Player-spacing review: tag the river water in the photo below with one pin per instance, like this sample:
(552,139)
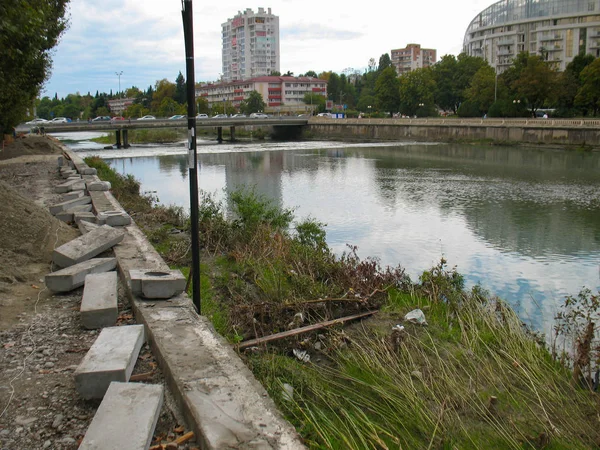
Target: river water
(524,223)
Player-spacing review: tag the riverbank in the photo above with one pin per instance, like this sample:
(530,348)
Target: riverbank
(473,377)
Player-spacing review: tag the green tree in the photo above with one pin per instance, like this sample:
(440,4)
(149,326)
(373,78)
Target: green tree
(588,97)
(384,62)
(168,107)
(136,110)
(180,89)
(536,83)
(254,103)
(481,91)
(316,101)
(289,73)
(417,93)
(334,87)
(448,94)
(202,106)
(29,29)
(570,84)
(133,92)
(275,73)
(163,89)
(387,91)
(311,73)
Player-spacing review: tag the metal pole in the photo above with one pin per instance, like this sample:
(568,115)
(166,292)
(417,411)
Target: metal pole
(188,33)
(119,75)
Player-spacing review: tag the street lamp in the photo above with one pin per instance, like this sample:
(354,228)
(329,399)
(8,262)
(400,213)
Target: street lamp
(516,103)
(224,105)
(369,108)
(119,75)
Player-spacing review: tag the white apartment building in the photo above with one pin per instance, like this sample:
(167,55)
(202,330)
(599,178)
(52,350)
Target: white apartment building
(280,94)
(557,30)
(250,45)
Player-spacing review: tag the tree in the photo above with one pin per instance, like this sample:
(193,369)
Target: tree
(289,73)
(275,73)
(536,83)
(384,62)
(163,89)
(28,32)
(481,91)
(570,84)
(180,89)
(202,106)
(387,90)
(135,110)
(333,86)
(447,94)
(254,103)
(416,92)
(317,101)
(311,73)
(588,96)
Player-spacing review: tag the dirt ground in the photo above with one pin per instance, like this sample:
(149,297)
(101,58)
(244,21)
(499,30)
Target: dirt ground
(41,337)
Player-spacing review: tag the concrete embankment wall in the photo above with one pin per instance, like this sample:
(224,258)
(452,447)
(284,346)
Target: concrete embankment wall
(501,131)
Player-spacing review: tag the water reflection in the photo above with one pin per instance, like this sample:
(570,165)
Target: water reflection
(525,223)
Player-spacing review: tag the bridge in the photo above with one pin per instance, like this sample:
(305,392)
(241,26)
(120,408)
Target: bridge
(122,127)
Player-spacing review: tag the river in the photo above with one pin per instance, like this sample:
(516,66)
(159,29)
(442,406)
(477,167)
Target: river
(524,223)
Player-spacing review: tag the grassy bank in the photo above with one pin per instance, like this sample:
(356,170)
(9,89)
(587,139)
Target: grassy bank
(472,377)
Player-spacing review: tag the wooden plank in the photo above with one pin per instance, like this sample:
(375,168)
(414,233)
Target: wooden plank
(296,331)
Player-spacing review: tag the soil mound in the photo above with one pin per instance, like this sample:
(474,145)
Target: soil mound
(30,145)
(28,235)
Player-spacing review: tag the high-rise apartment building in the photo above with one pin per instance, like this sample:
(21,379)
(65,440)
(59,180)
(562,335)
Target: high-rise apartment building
(250,45)
(412,57)
(556,30)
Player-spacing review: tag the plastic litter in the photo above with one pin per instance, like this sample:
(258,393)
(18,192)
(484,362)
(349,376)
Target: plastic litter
(416,316)
(287,392)
(302,355)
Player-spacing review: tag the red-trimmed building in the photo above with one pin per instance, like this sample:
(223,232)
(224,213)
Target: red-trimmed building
(280,94)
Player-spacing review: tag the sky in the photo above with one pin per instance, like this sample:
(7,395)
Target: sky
(144,39)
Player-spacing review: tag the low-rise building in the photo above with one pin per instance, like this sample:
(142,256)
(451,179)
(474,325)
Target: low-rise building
(118,105)
(280,94)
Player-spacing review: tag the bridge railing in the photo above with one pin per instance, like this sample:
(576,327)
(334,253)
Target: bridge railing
(550,123)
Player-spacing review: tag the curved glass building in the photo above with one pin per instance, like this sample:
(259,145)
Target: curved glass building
(557,30)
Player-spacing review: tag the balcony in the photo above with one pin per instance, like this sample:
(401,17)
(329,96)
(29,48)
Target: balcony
(550,37)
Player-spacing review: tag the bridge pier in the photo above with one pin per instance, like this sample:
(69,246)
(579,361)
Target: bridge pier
(219,134)
(118,133)
(126,139)
(232,132)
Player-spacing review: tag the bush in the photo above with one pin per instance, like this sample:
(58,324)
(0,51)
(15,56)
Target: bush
(469,109)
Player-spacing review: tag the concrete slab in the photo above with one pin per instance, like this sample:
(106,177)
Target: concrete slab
(85,216)
(72,277)
(72,195)
(69,204)
(68,186)
(60,161)
(98,186)
(111,358)
(157,284)
(85,226)
(114,218)
(88,171)
(126,418)
(87,246)
(69,173)
(99,302)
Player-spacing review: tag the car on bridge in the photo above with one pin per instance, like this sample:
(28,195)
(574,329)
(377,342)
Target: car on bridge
(60,120)
(220,116)
(36,121)
(202,116)
(147,117)
(101,119)
(117,119)
(238,116)
(258,116)
(177,117)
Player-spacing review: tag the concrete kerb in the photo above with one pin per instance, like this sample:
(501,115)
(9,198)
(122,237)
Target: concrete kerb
(220,398)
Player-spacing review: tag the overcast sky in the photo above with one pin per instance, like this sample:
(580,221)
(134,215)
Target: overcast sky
(144,38)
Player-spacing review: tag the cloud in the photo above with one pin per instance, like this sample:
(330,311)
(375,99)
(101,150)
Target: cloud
(317,32)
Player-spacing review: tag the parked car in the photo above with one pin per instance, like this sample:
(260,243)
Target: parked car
(117,119)
(258,116)
(60,120)
(238,116)
(177,117)
(147,117)
(36,121)
(202,116)
(324,115)
(220,116)
(101,119)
